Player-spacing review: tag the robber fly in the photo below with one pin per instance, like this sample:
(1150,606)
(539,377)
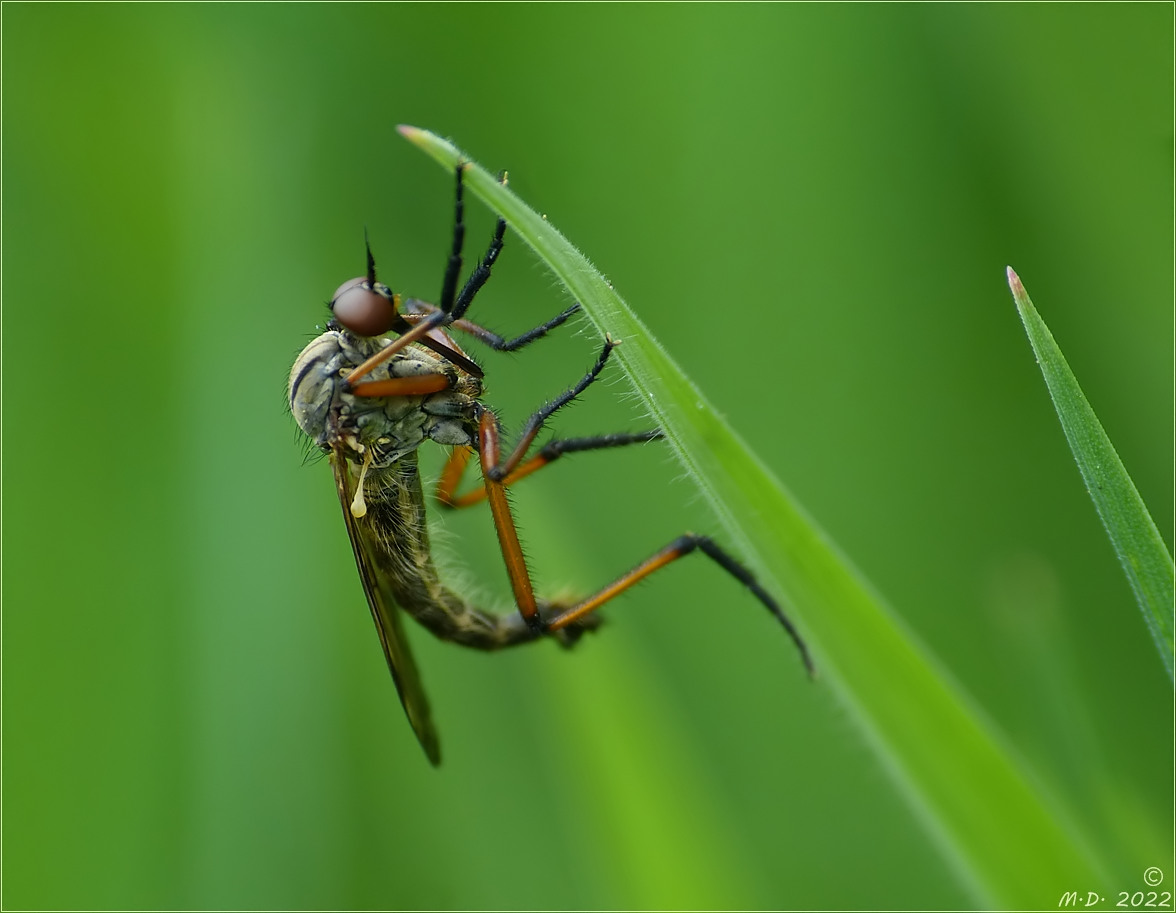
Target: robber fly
(385,377)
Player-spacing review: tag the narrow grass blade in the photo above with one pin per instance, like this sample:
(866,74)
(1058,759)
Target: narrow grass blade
(997,831)
(1133,533)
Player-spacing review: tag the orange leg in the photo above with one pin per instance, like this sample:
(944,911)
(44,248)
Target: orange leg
(420,385)
(508,537)
(679,548)
(453,304)
(455,466)
(416,334)
(489,452)
(450,478)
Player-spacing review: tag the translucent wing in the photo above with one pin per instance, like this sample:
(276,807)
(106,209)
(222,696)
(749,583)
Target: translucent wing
(387,615)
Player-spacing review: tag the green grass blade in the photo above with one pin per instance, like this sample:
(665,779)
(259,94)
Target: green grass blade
(998,832)
(1133,533)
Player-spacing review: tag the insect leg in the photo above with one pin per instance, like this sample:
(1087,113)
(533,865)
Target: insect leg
(496,342)
(504,525)
(453,303)
(450,479)
(489,337)
(482,271)
(679,548)
(401,326)
(480,274)
(520,578)
(416,334)
(454,467)
(419,385)
(453,267)
(498,471)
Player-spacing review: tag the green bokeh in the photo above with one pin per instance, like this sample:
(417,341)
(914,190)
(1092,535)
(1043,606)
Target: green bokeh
(811,206)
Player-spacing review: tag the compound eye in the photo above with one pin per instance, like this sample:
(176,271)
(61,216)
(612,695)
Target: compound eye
(362,309)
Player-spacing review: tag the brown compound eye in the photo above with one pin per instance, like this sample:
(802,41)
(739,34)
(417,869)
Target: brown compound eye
(364,307)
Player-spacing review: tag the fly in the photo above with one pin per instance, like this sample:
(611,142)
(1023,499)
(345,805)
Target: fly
(385,377)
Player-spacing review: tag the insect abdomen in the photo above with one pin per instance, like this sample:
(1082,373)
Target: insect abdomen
(396,520)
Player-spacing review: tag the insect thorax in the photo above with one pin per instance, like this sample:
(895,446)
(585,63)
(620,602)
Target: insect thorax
(391,426)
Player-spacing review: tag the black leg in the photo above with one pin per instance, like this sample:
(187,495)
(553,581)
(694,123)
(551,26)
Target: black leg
(679,548)
(451,474)
(489,337)
(554,449)
(453,267)
(480,274)
(452,303)
(501,470)
(496,342)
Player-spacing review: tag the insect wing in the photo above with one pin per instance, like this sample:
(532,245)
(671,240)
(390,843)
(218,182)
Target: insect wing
(387,615)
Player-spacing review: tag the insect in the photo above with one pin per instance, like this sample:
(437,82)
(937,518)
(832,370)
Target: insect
(385,377)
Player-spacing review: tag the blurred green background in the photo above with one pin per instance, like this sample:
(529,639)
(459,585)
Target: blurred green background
(812,207)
